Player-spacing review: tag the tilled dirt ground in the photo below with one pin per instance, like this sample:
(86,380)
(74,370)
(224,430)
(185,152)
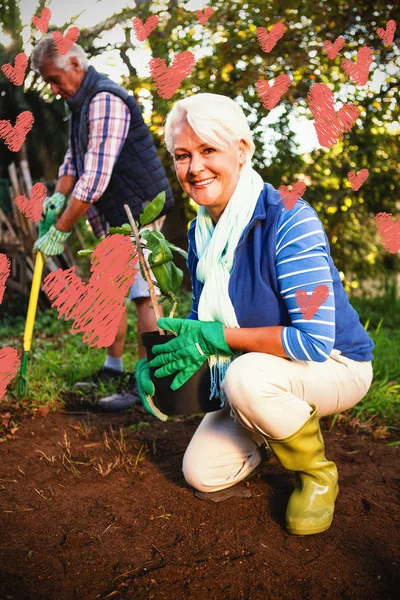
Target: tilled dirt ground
(93,506)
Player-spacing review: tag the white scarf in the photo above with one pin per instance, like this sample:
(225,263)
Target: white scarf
(216,247)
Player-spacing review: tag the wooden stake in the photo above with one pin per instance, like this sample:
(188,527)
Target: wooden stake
(144,265)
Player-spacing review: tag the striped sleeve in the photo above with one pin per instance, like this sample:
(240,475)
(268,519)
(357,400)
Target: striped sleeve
(302,264)
(67,168)
(97,222)
(109,120)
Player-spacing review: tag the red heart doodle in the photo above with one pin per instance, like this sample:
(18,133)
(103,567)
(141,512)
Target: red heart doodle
(389,231)
(309,305)
(4,273)
(16,74)
(9,360)
(387,34)
(97,306)
(32,208)
(42,22)
(271,94)
(289,198)
(15,136)
(168,79)
(64,42)
(333,50)
(9,365)
(329,123)
(358,71)
(143,30)
(268,40)
(356,181)
(204,15)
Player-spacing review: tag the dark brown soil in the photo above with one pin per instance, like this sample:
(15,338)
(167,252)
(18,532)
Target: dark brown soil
(69,532)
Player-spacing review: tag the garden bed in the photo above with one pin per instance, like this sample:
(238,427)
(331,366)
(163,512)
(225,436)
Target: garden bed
(94,506)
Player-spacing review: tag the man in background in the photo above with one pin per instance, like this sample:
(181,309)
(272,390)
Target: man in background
(111,161)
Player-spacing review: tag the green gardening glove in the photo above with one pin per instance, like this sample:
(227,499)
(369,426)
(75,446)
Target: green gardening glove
(146,389)
(56,202)
(195,342)
(52,242)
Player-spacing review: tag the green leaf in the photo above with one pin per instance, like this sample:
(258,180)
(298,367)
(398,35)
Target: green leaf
(178,250)
(169,278)
(125,229)
(153,209)
(396,443)
(158,246)
(176,276)
(163,278)
(86,252)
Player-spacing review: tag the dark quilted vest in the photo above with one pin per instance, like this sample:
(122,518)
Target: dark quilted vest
(138,175)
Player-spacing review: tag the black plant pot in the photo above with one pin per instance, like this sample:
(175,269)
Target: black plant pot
(192,397)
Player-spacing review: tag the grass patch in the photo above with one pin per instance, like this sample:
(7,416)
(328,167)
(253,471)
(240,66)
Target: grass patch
(139,426)
(383,398)
(59,358)
(380,310)
(381,317)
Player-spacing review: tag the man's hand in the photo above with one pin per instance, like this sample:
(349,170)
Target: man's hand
(56,202)
(52,242)
(195,342)
(146,389)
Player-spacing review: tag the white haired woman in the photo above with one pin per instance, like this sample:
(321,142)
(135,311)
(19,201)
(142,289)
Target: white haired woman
(277,372)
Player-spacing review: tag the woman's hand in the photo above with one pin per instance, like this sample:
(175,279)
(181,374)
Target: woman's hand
(146,389)
(195,342)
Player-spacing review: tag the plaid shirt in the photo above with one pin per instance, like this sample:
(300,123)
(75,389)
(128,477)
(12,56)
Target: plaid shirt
(109,120)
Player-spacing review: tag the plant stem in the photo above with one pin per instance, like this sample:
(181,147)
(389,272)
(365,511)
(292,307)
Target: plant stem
(175,305)
(144,266)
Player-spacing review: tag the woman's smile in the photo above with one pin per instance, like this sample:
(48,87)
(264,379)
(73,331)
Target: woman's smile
(203,183)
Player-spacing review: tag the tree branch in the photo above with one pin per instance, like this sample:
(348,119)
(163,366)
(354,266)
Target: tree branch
(123,50)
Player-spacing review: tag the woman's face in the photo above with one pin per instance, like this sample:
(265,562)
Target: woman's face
(207,174)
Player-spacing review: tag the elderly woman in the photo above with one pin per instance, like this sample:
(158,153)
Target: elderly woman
(277,371)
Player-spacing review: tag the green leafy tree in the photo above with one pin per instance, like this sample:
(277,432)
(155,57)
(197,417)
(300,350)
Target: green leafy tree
(48,138)
(229,60)
(235,62)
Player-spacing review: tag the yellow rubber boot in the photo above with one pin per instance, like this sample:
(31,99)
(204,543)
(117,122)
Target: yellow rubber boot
(311,505)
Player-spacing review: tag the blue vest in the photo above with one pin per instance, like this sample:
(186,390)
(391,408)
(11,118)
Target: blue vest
(253,286)
(138,175)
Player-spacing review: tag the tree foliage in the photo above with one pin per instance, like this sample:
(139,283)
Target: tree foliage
(48,139)
(229,60)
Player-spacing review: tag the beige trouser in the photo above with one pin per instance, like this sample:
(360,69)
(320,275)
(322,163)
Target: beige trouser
(267,396)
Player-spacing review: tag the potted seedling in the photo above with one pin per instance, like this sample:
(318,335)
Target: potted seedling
(193,396)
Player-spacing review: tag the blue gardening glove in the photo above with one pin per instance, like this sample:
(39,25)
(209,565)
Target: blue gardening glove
(52,242)
(195,342)
(146,389)
(56,202)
